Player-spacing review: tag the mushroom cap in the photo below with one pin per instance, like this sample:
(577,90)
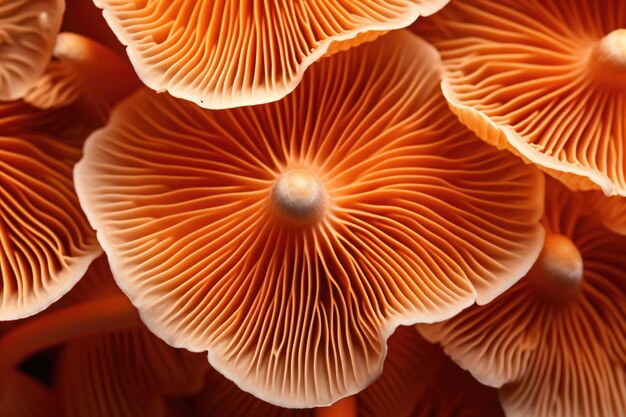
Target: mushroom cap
(421,219)
(546,80)
(27,32)
(47,243)
(222,54)
(76,76)
(553,354)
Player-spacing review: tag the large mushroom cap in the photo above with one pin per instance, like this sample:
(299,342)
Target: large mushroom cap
(47,243)
(289,239)
(220,53)
(544,79)
(27,32)
(555,343)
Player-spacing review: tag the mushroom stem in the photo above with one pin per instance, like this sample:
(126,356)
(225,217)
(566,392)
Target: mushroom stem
(558,272)
(298,196)
(608,59)
(346,407)
(50,329)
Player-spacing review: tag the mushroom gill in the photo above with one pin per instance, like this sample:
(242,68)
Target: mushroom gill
(545,79)
(27,32)
(46,241)
(289,239)
(77,79)
(221,54)
(409,372)
(554,343)
(417,381)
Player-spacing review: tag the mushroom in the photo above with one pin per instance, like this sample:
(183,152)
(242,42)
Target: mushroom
(546,80)
(289,239)
(554,343)
(108,365)
(27,32)
(221,54)
(47,243)
(76,77)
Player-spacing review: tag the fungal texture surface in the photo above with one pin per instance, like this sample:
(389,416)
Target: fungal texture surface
(46,243)
(28,29)
(225,53)
(545,79)
(555,343)
(290,239)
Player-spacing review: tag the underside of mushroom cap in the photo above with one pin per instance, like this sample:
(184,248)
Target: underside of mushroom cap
(409,370)
(414,218)
(28,29)
(47,243)
(545,79)
(553,353)
(223,54)
(77,76)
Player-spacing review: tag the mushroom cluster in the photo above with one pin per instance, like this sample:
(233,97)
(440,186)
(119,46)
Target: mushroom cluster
(302,209)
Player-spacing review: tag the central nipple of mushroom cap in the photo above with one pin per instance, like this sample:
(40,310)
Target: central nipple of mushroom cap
(559,268)
(608,59)
(298,196)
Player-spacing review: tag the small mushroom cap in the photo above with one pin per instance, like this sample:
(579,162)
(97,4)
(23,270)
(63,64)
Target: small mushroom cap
(221,54)
(28,29)
(78,77)
(553,354)
(546,81)
(421,220)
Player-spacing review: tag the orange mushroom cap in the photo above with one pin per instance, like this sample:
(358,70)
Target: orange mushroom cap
(290,239)
(546,80)
(84,74)
(47,243)
(555,342)
(220,54)
(27,32)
